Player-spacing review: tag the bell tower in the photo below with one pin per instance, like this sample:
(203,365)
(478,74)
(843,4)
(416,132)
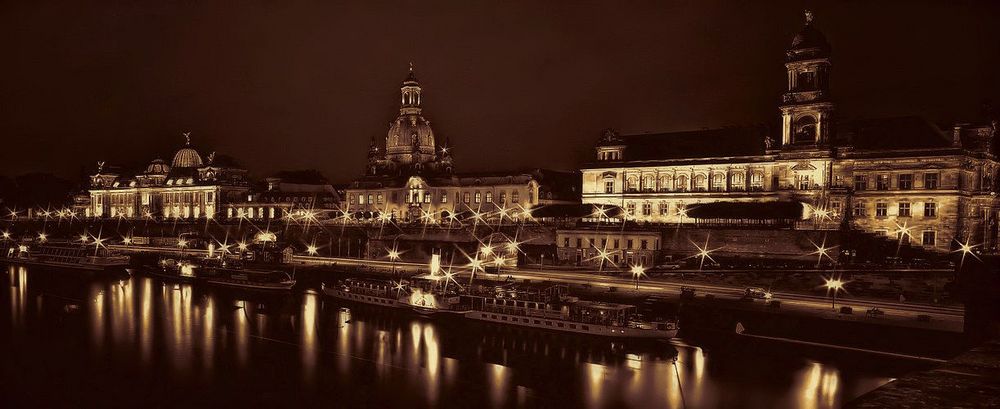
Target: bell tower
(806,108)
(410,93)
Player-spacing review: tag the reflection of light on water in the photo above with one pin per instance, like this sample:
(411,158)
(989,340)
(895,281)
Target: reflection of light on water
(343,343)
(308,335)
(122,312)
(146,322)
(634,361)
(97,316)
(208,334)
(819,387)
(242,335)
(433,360)
(595,384)
(18,294)
(499,384)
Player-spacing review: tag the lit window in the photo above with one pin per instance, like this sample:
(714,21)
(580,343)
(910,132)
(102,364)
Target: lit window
(371,198)
(882,182)
(515,197)
(489,197)
(465,197)
(427,197)
(380,198)
(479,197)
(444,197)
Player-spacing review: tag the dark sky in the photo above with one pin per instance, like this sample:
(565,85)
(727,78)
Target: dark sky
(289,85)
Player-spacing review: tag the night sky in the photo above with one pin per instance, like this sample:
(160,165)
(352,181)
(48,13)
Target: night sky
(513,84)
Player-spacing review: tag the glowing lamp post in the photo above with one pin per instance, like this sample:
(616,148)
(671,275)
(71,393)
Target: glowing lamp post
(312,250)
(835,285)
(637,272)
(393,257)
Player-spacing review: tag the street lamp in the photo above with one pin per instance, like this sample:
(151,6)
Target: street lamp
(834,284)
(312,250)
(637,272)
(393,257)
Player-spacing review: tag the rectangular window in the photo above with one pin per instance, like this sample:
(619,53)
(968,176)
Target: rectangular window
(643,244)
(444,197)
(617,243)
(590,242)
(859,208)
(630,209)
(882,182)
(351,197)
(371,198)
(407,198)
(479,197)
(565,241)
(489,197)
(503,197)
(515,196)
(380,198)
(647,209)
(905,182)
(579,242)
(929,238)
(664,208)
(881,210)
(930,209)
(465,197)
(427,197)
(628,244)
(930,181)
(609,186)
(904,210)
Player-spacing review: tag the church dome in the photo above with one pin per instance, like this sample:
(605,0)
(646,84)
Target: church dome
(186,157)
(809,43)
(408,133)
(158,167)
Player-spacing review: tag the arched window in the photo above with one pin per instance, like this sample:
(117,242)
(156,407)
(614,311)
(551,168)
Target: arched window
(719,182)
(666,183)
(682,183)
(700,182)
(630,183)
(648,183)
(737,179)
(805,130)
(757,180)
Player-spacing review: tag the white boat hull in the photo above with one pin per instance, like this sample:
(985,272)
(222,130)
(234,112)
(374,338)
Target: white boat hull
(362,298)
(570,326)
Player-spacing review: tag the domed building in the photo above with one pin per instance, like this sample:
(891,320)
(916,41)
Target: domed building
(411,176)
(187,188)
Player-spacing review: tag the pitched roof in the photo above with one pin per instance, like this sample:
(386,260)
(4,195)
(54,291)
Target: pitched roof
(906,132)
(729,141)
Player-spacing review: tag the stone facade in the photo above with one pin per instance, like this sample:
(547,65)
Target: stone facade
(412,178)
(896,176)
(187,188)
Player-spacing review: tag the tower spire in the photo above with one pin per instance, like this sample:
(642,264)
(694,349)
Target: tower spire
(809,16)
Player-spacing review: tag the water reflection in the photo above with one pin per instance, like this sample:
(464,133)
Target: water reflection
(228,342)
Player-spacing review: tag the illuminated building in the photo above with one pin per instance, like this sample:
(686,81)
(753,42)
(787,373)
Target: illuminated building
(187,188)
(896,176)
(283,197)
(412,178)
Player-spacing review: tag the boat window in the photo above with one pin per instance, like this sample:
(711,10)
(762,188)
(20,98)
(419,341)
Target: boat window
(572,326)
(504,318)
(524,320)
(493,316)
(549,323)
(586,328)
(537,322)
(560,324)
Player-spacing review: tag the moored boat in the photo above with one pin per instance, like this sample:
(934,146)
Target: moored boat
(247,278)
(65,255)
(173,269)
(552,310)
(431,295)
(375,292)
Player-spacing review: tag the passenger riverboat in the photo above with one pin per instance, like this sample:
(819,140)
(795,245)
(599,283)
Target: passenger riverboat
(173,269)
(65,255)
(375,292)
(552,310)
(435,295)
(235,273)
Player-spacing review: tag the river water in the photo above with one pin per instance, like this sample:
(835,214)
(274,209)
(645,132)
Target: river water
(77,340)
